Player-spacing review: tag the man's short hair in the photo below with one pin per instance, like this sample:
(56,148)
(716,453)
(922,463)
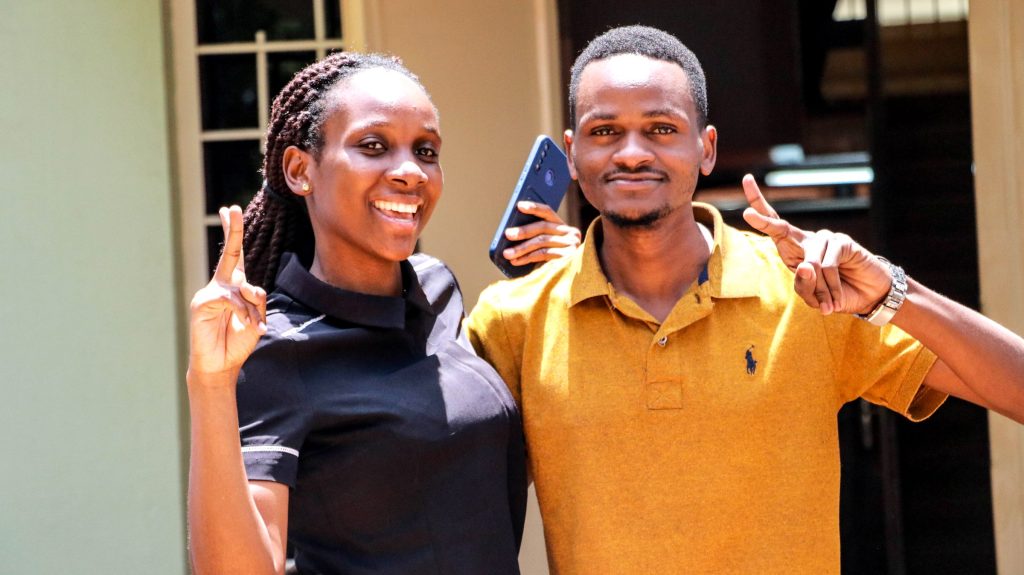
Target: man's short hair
(645,41)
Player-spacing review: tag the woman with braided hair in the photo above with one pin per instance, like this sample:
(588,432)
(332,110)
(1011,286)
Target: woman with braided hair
(373,439)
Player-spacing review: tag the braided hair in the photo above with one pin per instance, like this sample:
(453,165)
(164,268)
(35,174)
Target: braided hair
(276,220)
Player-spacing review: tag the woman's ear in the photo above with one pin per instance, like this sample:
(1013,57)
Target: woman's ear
(299,169)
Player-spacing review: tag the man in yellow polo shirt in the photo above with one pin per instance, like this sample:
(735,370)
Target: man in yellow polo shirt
(679,383)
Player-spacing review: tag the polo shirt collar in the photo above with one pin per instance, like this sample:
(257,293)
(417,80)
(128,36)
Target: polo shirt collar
(355,307)
(732,270)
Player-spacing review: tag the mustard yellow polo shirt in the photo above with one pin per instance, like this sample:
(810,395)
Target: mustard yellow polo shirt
(704,444)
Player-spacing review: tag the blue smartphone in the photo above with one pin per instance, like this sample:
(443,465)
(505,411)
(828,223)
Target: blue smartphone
(545,179)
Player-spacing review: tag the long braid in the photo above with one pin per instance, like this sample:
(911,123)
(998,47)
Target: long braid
(276,220)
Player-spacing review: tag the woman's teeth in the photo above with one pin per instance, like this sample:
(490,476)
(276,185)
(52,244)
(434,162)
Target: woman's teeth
(396,207)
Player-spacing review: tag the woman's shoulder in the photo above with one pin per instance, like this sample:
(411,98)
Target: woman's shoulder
(428,267)
(286,317)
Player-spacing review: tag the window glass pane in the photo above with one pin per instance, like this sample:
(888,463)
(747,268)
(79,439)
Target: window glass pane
(281,66)
(232,171)
(332,13)
(238,20)
(227,88)
(214,244)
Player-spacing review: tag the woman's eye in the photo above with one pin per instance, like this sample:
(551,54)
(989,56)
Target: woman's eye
(374,146)
(427,152)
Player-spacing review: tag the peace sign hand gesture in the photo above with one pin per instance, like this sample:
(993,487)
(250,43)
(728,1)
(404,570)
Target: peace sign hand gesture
(833,272)
(228,315)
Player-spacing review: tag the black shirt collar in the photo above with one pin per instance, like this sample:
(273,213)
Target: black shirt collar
(370,310)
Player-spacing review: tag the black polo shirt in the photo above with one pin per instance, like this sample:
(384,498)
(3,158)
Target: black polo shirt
(403,448)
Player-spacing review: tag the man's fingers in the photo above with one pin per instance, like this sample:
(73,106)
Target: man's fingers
(815,247)
(756,199)
(830,261)
(231,223)
(805,283)
(776,228)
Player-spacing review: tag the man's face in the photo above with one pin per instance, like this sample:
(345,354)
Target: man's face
(638,145)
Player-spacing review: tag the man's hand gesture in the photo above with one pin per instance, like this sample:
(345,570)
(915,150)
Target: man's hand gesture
(833,272)
(228,315)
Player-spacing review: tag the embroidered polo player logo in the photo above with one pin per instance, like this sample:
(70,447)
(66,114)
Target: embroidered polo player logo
(751,362)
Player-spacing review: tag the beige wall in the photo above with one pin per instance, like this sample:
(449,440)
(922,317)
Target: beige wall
(91,478)
(492,69)
(996,29)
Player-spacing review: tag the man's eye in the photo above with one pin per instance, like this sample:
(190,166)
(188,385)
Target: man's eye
(602,131)
(664,130)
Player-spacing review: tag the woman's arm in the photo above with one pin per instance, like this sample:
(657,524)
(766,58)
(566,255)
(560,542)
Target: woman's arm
(235,526)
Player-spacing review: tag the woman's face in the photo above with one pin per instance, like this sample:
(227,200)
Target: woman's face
(379,173)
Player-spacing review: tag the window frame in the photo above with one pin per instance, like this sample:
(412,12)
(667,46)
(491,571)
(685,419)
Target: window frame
(188,134)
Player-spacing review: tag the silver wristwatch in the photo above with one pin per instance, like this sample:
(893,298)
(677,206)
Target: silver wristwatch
(883,313)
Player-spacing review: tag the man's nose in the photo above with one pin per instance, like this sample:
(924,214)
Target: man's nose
(633,151)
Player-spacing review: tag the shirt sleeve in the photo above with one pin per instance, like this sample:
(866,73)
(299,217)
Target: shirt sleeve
(488,332)
(884,366)
(273,420)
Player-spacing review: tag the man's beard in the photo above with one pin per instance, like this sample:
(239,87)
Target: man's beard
(640,222)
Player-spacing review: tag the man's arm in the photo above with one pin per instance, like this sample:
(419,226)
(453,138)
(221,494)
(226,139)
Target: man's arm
(978,359)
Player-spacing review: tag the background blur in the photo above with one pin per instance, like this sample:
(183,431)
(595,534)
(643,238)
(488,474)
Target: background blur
(125,123)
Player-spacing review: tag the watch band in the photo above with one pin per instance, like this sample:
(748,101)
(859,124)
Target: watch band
(889,305)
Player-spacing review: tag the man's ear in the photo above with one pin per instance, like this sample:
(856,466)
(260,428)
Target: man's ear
(709,140)
(299,169)
(567,139)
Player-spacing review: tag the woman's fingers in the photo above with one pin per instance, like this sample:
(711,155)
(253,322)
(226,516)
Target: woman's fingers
(231,256)
(541,210)
(257,298)
(543,247)
(547,239)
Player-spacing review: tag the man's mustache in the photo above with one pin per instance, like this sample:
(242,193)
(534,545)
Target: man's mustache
(634,171)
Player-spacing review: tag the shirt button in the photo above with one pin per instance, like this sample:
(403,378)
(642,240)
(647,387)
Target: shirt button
(663,341)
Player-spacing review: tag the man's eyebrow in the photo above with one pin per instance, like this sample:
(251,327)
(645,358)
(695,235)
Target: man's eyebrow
(600,116)
(659,113)
(670,112)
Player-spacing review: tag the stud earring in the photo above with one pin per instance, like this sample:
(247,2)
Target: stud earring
(305,186)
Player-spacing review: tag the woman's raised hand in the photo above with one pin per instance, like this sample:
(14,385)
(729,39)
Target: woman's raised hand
(228,315)
(547,239)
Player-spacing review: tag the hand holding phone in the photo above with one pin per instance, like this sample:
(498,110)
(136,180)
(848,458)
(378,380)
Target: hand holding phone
(544,180)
